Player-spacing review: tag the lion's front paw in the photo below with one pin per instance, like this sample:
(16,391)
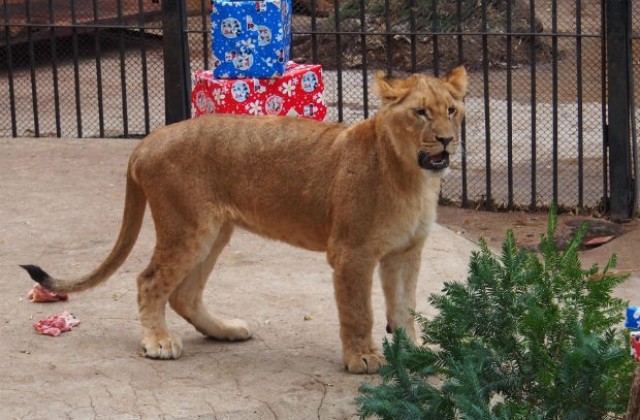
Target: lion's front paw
(166,347)
(364,362)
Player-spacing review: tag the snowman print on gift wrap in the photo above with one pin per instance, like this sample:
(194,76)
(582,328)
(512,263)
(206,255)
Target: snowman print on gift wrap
(242,58)
(274,105)
(309,110)
(309,81)
(240,91)
(264,33)
(230,27)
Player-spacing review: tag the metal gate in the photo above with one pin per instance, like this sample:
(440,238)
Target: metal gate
(550,109)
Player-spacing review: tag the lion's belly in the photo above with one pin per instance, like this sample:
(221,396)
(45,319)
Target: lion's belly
(307,234)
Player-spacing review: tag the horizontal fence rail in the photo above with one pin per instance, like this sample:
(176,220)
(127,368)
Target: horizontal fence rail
(536,127)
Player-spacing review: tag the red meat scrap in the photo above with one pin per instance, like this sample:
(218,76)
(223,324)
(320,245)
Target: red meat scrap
(56,324)
(40,294)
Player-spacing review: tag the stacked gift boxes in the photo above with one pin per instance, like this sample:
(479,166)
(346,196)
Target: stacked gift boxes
(251,72)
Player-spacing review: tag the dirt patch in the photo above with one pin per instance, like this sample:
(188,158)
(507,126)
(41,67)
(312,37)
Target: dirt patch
(389,29)
(529,226)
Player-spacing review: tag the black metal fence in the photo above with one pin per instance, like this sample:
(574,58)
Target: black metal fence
(80,68)
(540,124)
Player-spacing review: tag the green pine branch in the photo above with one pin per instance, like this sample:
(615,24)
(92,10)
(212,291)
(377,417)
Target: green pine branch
(527,336)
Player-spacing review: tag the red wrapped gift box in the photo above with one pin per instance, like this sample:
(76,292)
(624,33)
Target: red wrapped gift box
(299,92)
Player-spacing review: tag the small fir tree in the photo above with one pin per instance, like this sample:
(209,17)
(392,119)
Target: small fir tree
(526,337)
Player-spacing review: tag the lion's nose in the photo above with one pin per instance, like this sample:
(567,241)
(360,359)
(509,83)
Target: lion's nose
(444,140)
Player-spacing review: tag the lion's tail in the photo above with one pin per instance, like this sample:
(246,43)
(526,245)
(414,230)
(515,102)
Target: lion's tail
(134,207)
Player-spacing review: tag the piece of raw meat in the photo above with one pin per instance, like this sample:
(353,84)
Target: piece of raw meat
(40,294)
(56,324)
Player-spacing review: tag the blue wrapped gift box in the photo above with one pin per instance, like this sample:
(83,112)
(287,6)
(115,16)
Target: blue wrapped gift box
(250,38)
(633,318)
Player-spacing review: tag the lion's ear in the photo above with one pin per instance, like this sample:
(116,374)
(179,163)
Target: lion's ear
(456,82)
(391,90)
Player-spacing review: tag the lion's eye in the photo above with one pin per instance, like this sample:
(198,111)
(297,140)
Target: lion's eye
(452,110)
(421,112)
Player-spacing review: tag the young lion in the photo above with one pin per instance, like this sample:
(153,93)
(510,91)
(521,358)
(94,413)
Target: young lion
(365,195)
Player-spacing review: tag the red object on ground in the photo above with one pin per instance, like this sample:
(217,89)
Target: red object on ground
(40,294)
(56,324)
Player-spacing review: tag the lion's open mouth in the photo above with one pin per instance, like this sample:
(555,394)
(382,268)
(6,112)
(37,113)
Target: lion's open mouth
(433,163)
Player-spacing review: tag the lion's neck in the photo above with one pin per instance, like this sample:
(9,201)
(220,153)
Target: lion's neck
(400,169)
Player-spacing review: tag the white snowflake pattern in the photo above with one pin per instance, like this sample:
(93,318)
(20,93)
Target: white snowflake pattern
(288,87)
(247,43)
(254,108)
(319,97)
(219,95)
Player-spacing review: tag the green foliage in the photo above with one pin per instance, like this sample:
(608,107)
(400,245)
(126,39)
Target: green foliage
(526,337)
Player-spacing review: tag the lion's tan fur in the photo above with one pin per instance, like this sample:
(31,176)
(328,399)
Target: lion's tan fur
(356,193)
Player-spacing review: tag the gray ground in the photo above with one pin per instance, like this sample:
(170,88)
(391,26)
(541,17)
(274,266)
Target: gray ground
(61,208)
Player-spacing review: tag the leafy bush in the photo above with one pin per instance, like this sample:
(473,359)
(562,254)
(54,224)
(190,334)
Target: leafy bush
(526,337)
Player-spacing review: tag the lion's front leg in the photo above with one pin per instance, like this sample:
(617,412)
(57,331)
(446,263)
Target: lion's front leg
(399,275)
(352,279)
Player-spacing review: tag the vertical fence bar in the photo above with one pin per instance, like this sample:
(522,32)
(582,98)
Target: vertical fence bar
(605,136)
(554,96)
(487,107)
(388,36)
(205,36)
(143,59)
(618,50)
(76,68)
(363,52)
(434,38)
(338,59)
(54,67)
(509,110)
(435,28)
(12,95)
(177,76)
(123,72)
(314,32)
(534,151)
(463,133)
(580,114)
(98,40)
(413,7)
(32,66)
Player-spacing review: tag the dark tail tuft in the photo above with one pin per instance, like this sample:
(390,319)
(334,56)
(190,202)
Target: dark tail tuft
(37,274)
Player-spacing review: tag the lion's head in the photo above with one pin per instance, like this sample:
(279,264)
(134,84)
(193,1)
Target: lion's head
(422,116)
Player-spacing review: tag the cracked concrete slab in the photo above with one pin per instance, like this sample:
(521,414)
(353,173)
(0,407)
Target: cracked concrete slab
(61,208)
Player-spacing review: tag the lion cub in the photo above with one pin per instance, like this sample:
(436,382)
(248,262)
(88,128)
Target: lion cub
(366,195)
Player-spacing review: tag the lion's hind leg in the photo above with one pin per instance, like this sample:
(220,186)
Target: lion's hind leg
(187,298)
(155,285)
(174,258)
